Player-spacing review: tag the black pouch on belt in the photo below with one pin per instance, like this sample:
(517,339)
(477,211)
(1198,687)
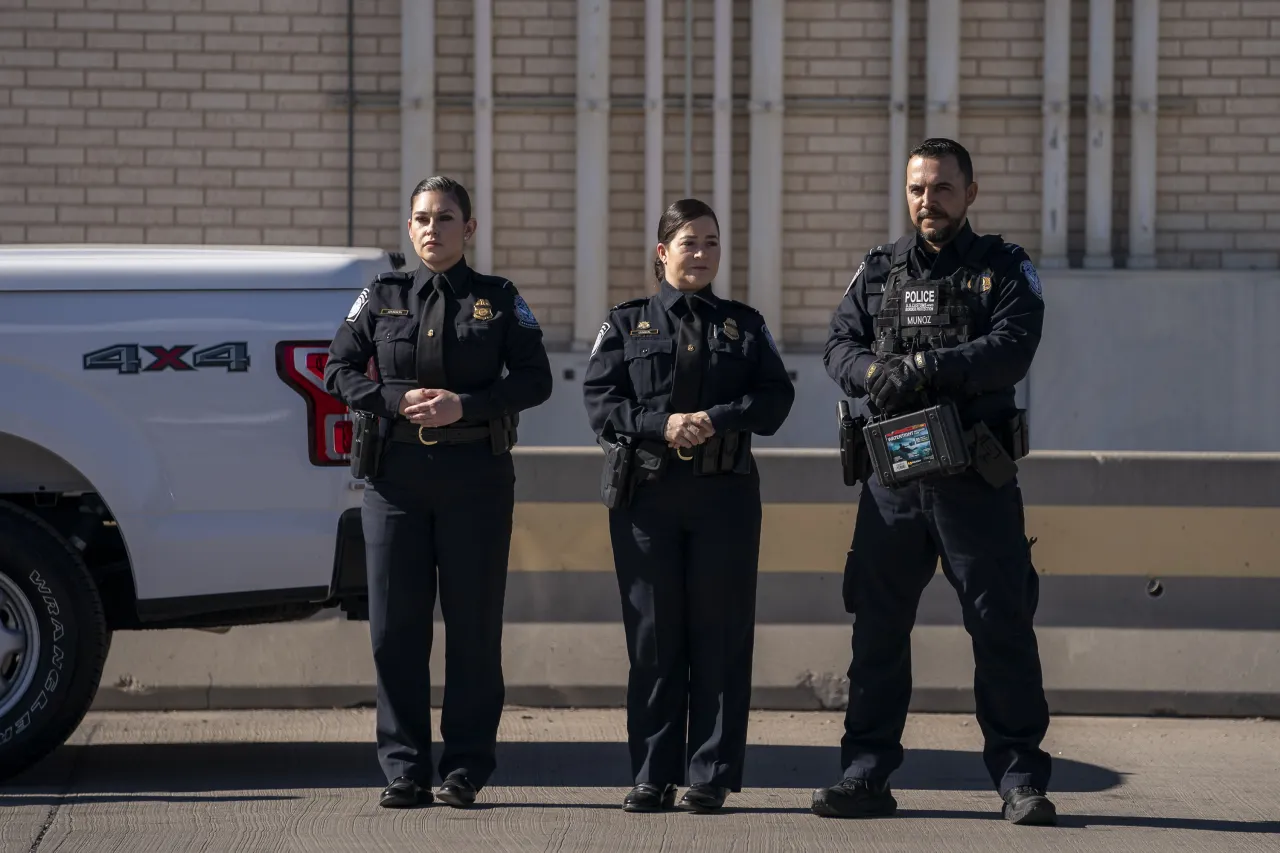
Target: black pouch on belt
(723,453)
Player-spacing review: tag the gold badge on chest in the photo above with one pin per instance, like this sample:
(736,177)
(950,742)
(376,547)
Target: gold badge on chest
(483,310)
(643,328)
(986,281)
(731,329)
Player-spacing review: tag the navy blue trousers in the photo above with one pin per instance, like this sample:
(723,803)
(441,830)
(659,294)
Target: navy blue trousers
(978,531)
(438,518)
(686,554)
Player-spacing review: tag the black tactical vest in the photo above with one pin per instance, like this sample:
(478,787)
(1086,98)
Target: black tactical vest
(918,315)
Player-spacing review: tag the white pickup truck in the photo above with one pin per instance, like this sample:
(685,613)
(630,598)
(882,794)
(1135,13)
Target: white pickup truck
(168,457)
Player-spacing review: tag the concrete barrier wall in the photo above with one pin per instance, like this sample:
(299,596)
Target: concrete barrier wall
(1160,592)
(1170,360)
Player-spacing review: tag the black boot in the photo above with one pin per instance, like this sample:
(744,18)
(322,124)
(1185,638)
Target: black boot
(404,793)
(854,798)
(1028,806)
(648,797)
(457,790)
(703,798)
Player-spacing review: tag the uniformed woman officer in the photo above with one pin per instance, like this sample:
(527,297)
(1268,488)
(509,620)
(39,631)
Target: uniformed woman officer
(439,511)
(684,377)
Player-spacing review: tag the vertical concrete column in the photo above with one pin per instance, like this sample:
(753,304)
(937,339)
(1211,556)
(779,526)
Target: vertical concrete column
(654,111)
(1142,129)
(482,200)
(765,252)
(898,146)
(1098,163)
(591,265)
(417,104)
(1056,110)
(942,111)
(722,142)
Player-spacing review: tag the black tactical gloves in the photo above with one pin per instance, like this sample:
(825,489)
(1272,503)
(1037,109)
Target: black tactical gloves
(896,383)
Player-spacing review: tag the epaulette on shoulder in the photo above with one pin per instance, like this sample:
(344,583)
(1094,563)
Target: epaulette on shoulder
(631,303)
(886,249)
(742,305)
(393,278)
(494,281)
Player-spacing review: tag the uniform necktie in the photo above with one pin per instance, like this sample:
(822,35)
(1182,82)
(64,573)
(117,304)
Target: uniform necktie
(688,377)
(430,355)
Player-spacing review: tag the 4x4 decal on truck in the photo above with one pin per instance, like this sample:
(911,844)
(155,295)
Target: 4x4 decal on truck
(126,358)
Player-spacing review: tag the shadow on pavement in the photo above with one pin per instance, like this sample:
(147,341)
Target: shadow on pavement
(191,767)
(72,799)
(1087,821)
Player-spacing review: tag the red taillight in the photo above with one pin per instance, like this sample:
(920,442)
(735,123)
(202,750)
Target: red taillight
(301,365)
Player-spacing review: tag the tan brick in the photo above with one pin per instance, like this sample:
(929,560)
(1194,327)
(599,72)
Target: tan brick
(144,60)
(114,234)
(1210,86)
(49,38)
(260,24)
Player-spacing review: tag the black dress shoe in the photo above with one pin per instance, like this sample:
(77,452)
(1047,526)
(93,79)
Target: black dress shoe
(1027,806)
(854,798)
(703,798)
(648,797)
(457,790)
(404,793)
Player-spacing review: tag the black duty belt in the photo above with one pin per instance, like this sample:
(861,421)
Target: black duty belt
(411,433)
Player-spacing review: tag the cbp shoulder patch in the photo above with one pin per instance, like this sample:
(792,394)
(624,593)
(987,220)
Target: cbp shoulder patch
(358,305)
(1029,270)
(524,314)
(604,329)
(764,329)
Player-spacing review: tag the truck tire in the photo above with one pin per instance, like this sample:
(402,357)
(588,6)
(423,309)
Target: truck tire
(53,639)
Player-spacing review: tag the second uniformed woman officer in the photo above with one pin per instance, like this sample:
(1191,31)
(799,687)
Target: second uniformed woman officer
(438,514)
(684,377)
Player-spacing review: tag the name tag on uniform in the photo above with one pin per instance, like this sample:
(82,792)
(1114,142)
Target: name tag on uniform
(394,312)
(919,305)
(643,328)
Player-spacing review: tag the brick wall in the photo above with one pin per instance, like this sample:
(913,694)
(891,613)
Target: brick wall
(1219,165)
(122,124)
(225,122)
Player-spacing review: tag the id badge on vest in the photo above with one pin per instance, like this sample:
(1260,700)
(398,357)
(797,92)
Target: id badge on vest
(919,305)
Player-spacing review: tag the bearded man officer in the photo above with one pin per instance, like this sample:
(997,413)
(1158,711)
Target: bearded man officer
(943,314)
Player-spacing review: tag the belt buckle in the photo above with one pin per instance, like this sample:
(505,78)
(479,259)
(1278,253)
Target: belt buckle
(680,453)
(423,440)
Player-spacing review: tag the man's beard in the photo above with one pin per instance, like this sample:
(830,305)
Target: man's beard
(940,233)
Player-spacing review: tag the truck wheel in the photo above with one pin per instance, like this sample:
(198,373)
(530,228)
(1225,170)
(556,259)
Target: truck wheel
(53,639)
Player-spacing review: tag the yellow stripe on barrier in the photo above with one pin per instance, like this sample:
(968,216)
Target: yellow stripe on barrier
(1072,540)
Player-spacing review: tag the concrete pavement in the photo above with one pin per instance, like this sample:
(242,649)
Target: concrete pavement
(307,781)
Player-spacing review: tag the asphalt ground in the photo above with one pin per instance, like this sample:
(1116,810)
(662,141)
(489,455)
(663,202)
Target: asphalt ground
(308,780)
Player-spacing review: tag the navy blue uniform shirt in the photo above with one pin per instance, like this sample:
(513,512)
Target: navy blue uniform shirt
(488,327)
(627,387)
(982,372)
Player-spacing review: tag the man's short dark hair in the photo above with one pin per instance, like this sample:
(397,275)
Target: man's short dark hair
(939,147)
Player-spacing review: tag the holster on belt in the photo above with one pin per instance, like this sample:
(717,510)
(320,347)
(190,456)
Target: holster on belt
(503,433)
(628,462)
(995,452)
(726,452)
(366,445)
(855,458)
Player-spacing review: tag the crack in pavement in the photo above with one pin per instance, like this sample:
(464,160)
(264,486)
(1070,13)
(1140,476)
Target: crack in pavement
(66,789)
